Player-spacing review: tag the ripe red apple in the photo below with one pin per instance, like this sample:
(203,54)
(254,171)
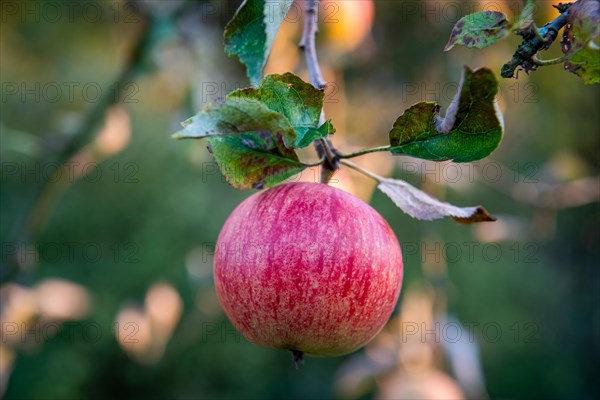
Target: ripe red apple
(308,268)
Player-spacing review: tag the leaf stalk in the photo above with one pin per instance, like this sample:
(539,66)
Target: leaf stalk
(365,151)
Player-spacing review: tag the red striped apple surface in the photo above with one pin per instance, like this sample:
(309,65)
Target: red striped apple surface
(308,268)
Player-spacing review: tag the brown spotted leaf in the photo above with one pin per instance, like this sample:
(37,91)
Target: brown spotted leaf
(479,30)
(254,160)
(583,26)
(586,64)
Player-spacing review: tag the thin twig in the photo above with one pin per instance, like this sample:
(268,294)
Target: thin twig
(307,43)
(324,146)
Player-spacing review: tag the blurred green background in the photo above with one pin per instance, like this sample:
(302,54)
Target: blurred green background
(108,225)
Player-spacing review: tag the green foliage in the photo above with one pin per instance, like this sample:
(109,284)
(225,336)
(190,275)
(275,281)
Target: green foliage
(470,131)
(253,132)
(479,30)
(313,134)
(299,102)
(235,116)
(254,160)
(251,33)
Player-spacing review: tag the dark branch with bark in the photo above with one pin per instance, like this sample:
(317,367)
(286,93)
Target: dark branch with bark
(534,41)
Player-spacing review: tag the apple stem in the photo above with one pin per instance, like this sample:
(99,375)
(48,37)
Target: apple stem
(363,171)
(297,358)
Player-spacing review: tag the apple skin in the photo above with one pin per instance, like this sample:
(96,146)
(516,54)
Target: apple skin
(308,268)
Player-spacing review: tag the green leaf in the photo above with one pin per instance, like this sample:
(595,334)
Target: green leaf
(254,160)
(471,129)
(253,132)
(251,33)
(420,205)
(300,103)
(250,142)
(525,19)
(583,26)
(479,30)
(313,134)
(234,116)
(586,64)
